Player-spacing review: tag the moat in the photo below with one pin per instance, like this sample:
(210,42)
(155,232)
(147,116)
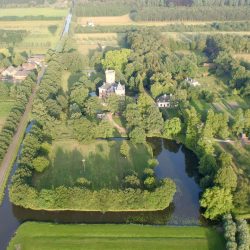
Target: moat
(175,162)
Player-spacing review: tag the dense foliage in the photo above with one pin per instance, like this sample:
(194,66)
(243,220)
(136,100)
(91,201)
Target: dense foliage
(196,13)
(22,93)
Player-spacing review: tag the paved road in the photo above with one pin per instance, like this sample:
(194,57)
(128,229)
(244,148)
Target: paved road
(19,133)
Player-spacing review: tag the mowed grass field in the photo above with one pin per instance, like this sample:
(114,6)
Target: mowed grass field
(104,166)
(20,12)
(47,236)
(5,107)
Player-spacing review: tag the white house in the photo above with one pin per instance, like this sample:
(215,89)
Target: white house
(192,82)
(110,86)
(164,101)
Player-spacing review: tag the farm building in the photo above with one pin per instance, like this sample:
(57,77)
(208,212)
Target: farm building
(37,59)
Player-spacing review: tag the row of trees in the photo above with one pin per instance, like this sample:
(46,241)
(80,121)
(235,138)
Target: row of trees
(4,3)
(23,92)
(236,234)
(77,198)
(196,13)
(221,26)
(8,57)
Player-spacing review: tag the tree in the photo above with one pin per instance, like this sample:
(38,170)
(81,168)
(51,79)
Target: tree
(132,181)
(226,178)
(137,135)
(83,182)
(150,182)
(52,29)
(153,121)
(133,116)
(116,59)
(238,124)
(172,127)
(208,165)
(243,235)
(40,164)
(217,201)
(124,149)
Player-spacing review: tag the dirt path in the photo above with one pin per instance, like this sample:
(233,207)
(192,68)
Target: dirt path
(19,133)
(120,129)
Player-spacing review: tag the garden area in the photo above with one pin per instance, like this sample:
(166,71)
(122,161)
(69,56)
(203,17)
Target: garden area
(100,162)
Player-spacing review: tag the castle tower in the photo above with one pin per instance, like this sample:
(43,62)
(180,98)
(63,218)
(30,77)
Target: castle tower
(110,76)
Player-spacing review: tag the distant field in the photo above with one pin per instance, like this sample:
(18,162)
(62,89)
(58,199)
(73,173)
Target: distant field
(20,12)
(43,236)
(104,166)
(39,39)
(5,107)
(92,41)
(125,20)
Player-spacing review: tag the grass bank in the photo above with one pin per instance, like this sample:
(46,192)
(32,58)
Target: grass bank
(74,237)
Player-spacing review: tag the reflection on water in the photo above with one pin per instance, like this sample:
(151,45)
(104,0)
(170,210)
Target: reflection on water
(179,164)
(175,161)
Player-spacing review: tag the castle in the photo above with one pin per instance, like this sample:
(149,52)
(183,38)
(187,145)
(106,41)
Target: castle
(110,87)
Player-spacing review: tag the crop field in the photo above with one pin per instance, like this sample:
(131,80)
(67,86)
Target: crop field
(76,237)
(103,164)
(125,20)
(39,39)
(20,12)
(5,107)
(92,41)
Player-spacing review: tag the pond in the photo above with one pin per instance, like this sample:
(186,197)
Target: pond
(175,161)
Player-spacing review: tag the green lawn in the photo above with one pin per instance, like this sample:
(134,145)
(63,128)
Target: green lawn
(104,165)
(5,107)
(41,236)
(33,12)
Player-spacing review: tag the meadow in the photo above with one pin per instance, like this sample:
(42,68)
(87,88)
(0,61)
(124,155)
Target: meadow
(76,237)
(5,107)
(104,166)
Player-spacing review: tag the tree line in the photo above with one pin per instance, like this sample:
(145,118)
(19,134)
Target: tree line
(195,13)
(216,26)
(22,93)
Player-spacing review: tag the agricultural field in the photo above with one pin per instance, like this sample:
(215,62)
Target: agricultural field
(114,237)
(21,12)
(126,20)
(5,107)
(42,34)
(90,42)
(102,161)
